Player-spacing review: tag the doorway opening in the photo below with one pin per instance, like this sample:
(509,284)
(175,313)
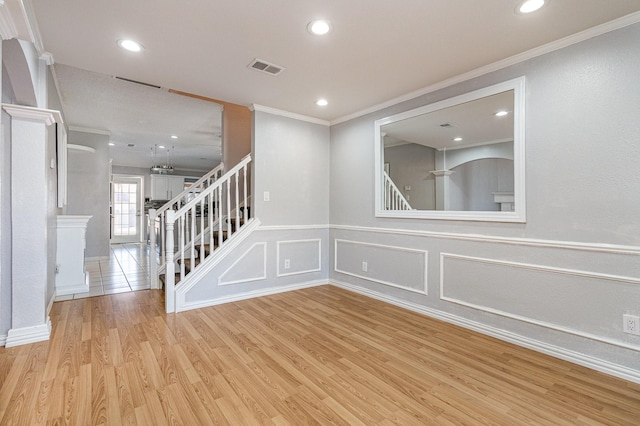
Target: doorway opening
(127,224)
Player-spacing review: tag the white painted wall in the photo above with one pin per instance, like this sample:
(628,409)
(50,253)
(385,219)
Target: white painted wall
(560,282)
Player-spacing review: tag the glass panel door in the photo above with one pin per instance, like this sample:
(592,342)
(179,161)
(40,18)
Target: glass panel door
(126,210)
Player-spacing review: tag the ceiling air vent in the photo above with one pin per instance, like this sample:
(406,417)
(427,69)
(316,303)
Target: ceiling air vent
(142,83)
(266,67)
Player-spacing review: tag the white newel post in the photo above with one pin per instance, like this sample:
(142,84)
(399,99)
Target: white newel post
(31,286)
(170,276)
(153,263)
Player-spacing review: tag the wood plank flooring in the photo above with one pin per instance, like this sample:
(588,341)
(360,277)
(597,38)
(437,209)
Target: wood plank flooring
(316,356)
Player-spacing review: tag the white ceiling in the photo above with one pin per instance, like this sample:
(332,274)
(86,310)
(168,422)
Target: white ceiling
(144,117)
(378,49)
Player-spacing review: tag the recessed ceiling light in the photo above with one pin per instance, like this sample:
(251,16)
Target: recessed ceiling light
(111,144)
(528,6)
(322,102)
(174,137)
(457,139)
(319,27)
(130,45)
(501,113)
(161,146)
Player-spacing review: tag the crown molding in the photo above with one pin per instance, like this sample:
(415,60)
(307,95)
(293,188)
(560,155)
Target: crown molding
(8,28)
(47,58)
(616,24)
(295,116)
(32,25)
(47,116)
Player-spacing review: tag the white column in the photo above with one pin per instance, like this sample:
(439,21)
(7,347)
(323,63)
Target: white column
(29,238)
(442,189)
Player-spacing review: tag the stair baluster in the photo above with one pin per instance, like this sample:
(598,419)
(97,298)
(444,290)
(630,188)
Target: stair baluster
(220,201)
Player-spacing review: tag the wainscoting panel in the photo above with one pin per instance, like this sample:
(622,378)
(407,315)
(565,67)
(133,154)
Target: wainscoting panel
(393,266)
(522,291)
(250,266)
(299,257)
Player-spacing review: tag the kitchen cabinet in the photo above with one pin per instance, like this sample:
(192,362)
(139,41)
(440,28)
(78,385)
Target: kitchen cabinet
(164,187)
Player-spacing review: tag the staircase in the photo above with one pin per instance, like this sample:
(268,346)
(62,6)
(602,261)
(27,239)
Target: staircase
(195,225)
(393,198)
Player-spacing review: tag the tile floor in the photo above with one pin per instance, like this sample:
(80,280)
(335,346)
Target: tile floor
(126,270)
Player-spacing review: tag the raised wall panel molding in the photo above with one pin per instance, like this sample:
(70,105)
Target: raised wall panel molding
(540,268)
(261,276)
(249,295)
(194,277)
(25,335)
(424,255)
(507,336)
(314,241)
(592,247)
(292,227)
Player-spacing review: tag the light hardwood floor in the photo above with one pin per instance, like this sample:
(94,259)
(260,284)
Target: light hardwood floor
(316,356)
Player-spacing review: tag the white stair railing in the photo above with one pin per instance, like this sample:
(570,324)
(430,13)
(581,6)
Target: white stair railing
(393,198)
(211,217)
(158,220)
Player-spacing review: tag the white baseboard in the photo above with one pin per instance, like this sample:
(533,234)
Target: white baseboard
(50,304)
(3,339)
(26,335)
(250,295)
(94,258)
(507,336)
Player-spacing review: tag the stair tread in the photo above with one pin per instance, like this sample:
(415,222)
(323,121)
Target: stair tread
(162,277)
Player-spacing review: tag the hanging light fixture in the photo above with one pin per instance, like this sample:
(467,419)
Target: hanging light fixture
(161,169)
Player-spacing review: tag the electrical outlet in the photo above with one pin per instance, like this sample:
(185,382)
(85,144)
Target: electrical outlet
(365,266)
(287,263)
(631,324)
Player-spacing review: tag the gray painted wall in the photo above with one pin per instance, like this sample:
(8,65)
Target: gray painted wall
(474,182)
(559,282)
(291,159)
(88,188)
(411,164)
